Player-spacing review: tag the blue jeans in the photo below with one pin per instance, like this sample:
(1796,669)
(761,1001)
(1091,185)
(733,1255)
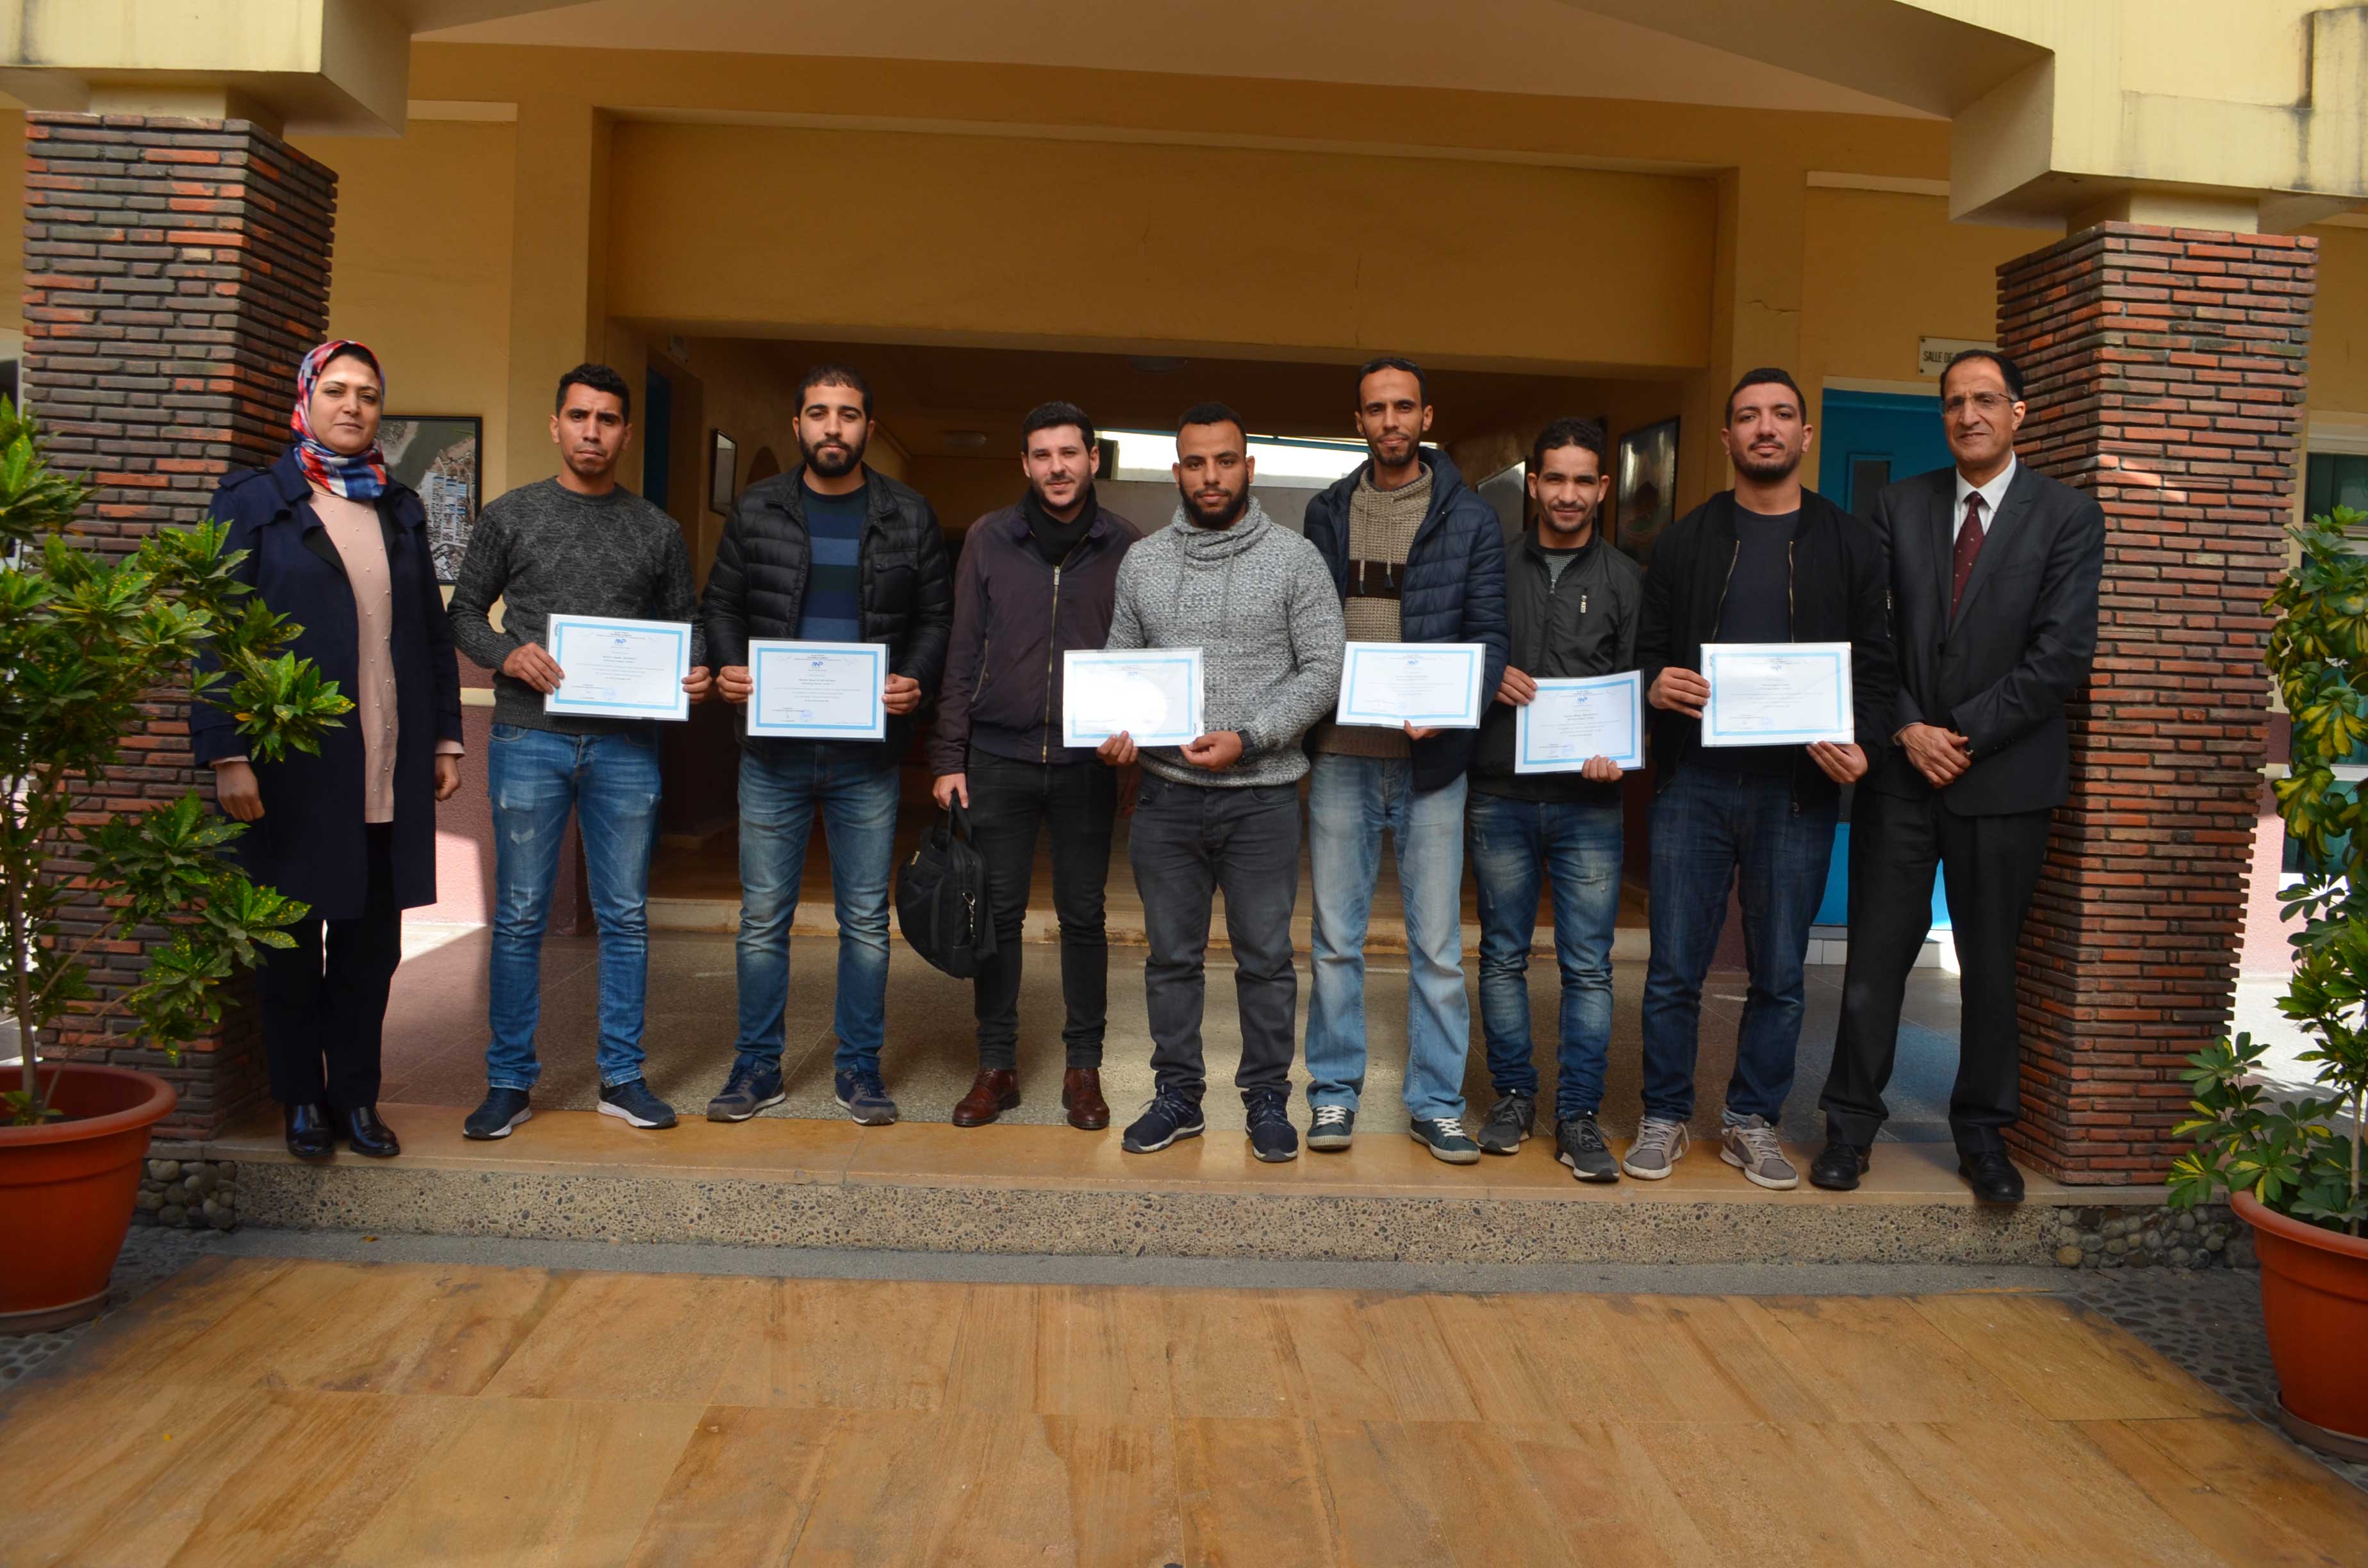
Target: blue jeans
(1708,824)
(1577,847)
(781,788)
(610,782)
(1351,800)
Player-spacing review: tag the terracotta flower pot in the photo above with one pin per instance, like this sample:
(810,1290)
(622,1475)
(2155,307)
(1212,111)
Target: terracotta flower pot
(66,1190)
(2315,1305)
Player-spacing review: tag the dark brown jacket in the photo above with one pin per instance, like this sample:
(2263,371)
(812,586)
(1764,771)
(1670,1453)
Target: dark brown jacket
(1015,615)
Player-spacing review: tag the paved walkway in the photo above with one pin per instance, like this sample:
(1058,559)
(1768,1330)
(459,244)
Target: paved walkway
(259,1409)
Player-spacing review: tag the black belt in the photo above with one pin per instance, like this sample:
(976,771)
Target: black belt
(1376,579)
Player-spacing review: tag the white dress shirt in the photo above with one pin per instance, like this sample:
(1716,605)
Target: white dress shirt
(1991,493)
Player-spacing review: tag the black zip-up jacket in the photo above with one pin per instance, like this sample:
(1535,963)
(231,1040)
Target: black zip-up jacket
(905,588)
(1582,624)
(1839,592)
(1015,615)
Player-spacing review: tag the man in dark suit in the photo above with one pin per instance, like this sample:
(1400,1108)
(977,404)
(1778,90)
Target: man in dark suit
(1994,573)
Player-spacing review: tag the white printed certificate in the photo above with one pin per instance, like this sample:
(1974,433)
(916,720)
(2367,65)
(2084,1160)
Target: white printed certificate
(1572,720)
(1432,685)
(1777,694)
(618,669)
(822,692)
(1152,695)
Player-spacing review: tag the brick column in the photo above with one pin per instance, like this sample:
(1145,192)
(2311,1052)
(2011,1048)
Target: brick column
(176,270)
(2166,370)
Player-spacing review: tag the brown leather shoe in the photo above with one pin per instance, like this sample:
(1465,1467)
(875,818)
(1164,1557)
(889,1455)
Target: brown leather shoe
(992,1093)
(1081,1097)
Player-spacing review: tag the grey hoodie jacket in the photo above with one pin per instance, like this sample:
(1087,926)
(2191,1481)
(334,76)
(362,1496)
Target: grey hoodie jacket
(1258,601)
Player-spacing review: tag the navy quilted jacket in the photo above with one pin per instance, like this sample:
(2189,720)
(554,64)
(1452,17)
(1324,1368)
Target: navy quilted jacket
(1454,589)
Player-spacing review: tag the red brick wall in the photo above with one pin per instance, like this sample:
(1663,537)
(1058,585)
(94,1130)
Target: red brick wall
(176,270)
(2166,370)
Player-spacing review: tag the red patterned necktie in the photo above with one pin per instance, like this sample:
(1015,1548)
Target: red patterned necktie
(1969,545)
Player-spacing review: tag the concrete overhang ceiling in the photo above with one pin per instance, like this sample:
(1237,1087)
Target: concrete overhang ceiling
(1534,47)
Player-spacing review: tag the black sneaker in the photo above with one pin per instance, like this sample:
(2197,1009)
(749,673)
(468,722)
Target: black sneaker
(865,1098)
(751,1088)
(1332,1128)
(1579,1144)
(632,1104)
(1273,1138)
(1510,1121)
(1169,1117)
(503,1109)
(1445,1137)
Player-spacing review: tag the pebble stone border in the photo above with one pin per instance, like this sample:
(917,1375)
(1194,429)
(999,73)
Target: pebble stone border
(2207,1236)
(191,1194)
(150,1256)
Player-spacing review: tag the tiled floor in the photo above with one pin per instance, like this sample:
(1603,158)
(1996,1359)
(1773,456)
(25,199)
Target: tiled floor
(436,1034)
(260,1411)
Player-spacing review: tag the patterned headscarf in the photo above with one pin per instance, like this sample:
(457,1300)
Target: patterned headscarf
(362,477)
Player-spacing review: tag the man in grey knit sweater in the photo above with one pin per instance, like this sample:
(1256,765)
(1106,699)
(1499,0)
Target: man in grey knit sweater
(576,544)
(1224,811)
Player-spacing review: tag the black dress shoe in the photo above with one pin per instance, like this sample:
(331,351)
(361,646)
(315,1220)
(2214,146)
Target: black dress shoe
(365,1134)
(1838,1166)
(1992,1176)
(309,1135)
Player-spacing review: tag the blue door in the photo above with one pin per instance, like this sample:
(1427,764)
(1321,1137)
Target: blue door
(1868,440)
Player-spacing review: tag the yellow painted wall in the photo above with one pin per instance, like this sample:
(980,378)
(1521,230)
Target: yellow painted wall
(2338,346)
(12,221)
(1881,270)
(421,269)
(1294,255)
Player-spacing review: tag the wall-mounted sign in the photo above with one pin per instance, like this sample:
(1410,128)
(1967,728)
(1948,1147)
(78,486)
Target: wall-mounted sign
(1933,354)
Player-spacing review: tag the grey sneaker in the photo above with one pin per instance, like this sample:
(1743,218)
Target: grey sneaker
(1658,1148)
(1579,1144)
(1510,1121)
(1445,1137)
(1750,1146)
(1333,1128)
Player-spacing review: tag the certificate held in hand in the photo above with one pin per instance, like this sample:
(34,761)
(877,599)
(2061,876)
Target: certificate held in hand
(1153,696)
(1432,685)
(817,690)
(1571,721)
(1777,694)
(618,669)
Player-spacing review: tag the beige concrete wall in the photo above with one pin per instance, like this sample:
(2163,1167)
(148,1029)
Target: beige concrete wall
(2339,349)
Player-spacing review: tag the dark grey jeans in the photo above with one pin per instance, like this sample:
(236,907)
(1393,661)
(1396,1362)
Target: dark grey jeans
(1188,841)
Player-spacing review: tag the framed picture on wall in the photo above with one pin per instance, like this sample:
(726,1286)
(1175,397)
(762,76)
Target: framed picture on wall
(1647,487)
(723,469)
(438,455)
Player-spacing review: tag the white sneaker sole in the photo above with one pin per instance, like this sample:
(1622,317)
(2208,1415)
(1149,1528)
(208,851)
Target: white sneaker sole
(1330,1143)
(1677,1151)
(501,1131)
(1447,1156)
(1181,1132)
(715,1115)
(1772,1184)
(627,1118)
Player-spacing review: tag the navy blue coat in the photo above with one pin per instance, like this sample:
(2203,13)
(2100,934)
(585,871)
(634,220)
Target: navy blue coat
(309,843)
(1453,590)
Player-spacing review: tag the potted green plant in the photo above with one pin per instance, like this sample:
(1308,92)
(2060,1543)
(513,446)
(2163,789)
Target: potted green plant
(85,639)
(2293,1168)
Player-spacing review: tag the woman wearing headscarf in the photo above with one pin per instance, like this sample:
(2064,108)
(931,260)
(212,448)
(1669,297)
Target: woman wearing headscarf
(340,549)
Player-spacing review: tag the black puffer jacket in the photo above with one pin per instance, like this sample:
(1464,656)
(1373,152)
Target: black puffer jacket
(906,589)
(1454,588)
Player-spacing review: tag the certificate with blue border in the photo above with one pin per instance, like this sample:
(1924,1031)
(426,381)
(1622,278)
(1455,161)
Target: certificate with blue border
(618,669)
(1432,685)
(1777,694)
(817,691)
(1153,696)
(1570,722)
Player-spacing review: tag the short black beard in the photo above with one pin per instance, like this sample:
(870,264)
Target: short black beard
(1547,531)
(1203,520)
(854,456)
(1084,493)
(1764,474)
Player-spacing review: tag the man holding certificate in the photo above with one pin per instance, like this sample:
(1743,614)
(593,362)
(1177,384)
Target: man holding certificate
(1418,558)
(1222,810)
(1781,578)
(830,552)
(1037,582)
(1546,797)
(570,554)
(1994,574)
